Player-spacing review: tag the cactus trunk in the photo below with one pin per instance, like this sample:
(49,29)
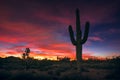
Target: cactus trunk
(79,53)
(78,38)
(79,41)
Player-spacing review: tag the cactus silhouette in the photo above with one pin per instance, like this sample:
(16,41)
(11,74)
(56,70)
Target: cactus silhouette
(79,41)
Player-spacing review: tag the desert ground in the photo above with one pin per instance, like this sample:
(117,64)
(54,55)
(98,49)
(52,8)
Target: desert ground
(12,68)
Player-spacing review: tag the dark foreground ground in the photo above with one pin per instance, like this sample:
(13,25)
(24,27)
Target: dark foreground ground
(12,68)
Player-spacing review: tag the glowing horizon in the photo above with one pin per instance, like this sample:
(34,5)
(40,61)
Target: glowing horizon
(54,57)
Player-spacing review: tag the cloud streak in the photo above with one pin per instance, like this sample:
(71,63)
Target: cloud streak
(96,38)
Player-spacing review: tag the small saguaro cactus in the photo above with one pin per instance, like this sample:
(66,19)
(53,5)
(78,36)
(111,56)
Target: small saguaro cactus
(79,41)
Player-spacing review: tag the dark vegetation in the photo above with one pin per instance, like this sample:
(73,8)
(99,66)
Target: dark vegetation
(13,68)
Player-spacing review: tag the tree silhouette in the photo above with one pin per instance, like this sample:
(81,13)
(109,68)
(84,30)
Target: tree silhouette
(25,55)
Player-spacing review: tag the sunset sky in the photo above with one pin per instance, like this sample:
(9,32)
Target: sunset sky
(42,25)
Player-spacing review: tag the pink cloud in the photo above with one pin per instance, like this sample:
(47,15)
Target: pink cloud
(25,32)
(113,30)
(95,38)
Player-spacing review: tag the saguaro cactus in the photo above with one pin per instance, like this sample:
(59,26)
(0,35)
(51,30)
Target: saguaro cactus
(79,41)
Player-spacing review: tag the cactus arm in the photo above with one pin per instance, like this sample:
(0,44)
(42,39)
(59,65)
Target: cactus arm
(85,33)
(71,33)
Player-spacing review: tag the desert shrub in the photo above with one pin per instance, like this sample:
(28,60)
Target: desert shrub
(102,65)
(50,72)
(57,73)
(22,76)
(74,77)
(4,75)
(43,77)
(29,75)
(63,69)
(64,59)
(113,76)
